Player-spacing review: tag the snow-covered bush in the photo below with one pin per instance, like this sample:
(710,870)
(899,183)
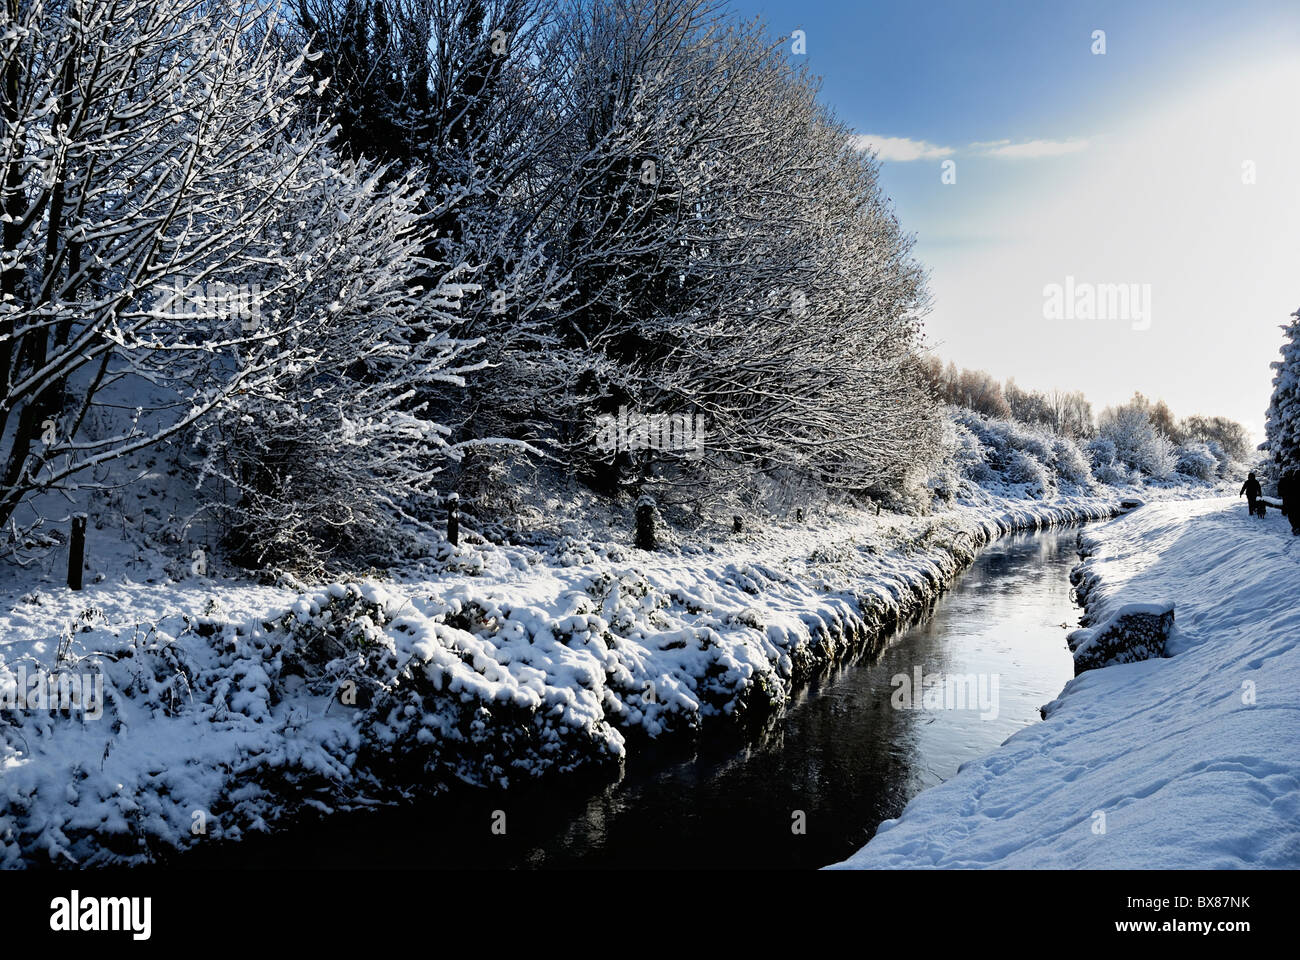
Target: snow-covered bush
(1038,442)
(970,455)
(994,437)
(1070,463)
(1025,468)
(994,450)
(1223,463)
(1101,451)
(1159,459)
(1137,442)
(962,458)
(1113,473)
(1197,460)
(1106,467)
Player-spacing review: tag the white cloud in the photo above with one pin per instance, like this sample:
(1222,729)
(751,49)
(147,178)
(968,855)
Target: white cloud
(1031,149)
(905,149)
(900,149)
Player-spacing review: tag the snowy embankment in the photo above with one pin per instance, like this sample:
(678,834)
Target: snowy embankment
(228,705)
(1190,761)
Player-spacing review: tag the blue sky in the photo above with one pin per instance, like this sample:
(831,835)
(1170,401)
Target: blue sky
(1122,168)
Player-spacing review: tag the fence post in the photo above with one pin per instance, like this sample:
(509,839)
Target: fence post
(77,551)
(453,519)
(645,523)
(798,515)
(736,524)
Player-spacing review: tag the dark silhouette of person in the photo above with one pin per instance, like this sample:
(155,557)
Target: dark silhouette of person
(1288,488)
(1252,490)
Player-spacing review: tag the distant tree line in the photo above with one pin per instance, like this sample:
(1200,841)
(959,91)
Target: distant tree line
(1139,435)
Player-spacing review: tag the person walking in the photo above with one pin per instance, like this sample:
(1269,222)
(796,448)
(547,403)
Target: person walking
(1252,490)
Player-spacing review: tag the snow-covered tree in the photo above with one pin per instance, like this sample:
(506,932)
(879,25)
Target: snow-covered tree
(177,237)
(452,92)
(664,221)
(1027,406)
(1282,425)
(731,258)
(337,458)
(1231,438)
(1071,414)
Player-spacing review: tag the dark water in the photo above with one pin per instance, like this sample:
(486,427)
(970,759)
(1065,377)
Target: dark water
(841,759)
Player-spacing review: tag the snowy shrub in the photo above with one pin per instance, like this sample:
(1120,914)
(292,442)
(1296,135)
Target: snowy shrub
(1034,441)
(971,456)
(1105,467)
(962,457)
(1013,452)
(1117,474)
(341,462)
(1161,459)
(1026,469)
(1128,449)
(992,437)
(1070,463)
(1223,463)
(1229,465)
(1197,460)
(1101,450)
(1137,442)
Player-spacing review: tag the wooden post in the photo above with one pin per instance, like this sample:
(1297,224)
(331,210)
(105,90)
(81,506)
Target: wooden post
(798,515)
(453,519)
(645,523)
(77,551)
(736,524)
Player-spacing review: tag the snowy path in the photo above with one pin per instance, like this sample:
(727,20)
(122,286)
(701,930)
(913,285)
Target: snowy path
(1187,762)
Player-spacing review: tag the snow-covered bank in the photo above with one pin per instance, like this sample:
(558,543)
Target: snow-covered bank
(1185,762)
(227,705)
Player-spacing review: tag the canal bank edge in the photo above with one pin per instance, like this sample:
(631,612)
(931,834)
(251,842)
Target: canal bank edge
(1175,763)
(361,693)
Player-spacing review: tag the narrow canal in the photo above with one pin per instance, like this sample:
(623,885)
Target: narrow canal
(847,754)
